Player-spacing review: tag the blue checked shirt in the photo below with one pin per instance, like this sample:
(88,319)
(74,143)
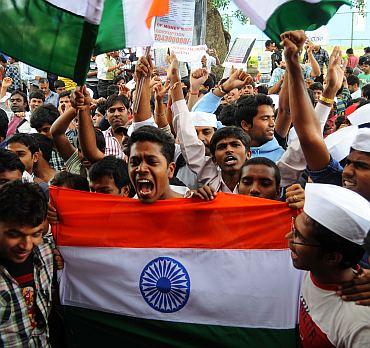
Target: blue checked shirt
(15,325)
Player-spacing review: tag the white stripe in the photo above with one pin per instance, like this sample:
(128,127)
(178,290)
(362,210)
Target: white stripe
(91,10)
(134,15)
(242,288)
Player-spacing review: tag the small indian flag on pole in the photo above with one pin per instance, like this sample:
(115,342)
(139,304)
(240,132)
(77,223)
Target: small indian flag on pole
(176,273)
(60,36)
(277,16)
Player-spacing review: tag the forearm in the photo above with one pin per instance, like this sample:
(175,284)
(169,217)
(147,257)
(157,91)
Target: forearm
(144,111)
(160,114)
(61,124)
(315,66)
(276,87)
(193,97)
(305,121)
(87,138)
(284,119)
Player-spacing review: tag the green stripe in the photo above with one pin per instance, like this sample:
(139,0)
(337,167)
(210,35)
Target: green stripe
(111,35)
(298,14)
(46,37)
(88,328)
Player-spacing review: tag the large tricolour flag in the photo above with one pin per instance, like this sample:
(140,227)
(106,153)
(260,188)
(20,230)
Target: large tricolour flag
(274,17)
(59,36)
(179,273)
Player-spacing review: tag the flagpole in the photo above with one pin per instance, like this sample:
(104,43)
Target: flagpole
(140,86)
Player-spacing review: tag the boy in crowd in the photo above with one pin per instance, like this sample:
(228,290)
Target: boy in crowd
(26,266)
(42,119)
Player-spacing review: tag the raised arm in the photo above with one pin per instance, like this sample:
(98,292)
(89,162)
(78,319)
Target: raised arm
(86,132)
(316,71)
(58,131)
(197,79)
(160,109)
(284,119)
(143,71)
(301,109)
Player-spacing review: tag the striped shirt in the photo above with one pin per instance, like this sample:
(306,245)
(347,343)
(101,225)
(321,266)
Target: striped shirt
(112,145)
(15,324)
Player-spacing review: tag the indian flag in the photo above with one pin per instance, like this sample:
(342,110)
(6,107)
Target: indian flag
(179,273)
(59,36)
(274,17)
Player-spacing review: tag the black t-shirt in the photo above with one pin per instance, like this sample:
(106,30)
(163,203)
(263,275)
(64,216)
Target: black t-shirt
(23,274)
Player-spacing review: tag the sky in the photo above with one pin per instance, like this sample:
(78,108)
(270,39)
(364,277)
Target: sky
(339,28)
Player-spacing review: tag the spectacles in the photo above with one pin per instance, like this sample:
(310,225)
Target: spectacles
(297,234)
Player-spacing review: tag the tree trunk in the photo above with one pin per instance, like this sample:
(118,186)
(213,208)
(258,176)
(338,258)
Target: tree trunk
(216,36)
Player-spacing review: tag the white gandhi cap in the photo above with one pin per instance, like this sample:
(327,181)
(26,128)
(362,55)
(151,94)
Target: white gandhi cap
(362,140)
(204,119)
(340,210)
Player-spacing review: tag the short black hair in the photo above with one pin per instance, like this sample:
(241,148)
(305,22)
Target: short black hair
(229,132)
(37,94)
(311,96)
(59,83)
(154,135)
(22,204)
(45,145)
(102,108)
(349,70)
(262,89)
(349,50)
(115,98)
(210,82)
(44,114)
(112,90)
(316,86)
(332,242)
(367,49)
(9,161)
(4,122)
(44,80)
(247,107)
(70,180)
(23,95)
(118,78)
(65,94)
(112,167)
(366,91)
(26,139)
(268,43)
(266,162)
(227,115)
(353,80)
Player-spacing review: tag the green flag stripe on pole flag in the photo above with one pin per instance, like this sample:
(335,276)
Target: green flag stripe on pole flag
(88,327)
(47,37)
(298,14)
(111,34)
(278,16)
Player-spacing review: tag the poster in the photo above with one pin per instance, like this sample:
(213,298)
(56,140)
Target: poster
(239,52)
(319,36)
(178,26)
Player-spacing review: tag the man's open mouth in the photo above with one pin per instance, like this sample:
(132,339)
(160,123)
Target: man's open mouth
(144,187)
(230,160)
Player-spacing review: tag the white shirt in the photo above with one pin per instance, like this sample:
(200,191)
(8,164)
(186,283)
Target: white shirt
(103,63)
(345,324)
(357,94)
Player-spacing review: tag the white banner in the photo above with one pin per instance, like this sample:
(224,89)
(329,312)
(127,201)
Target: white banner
(319,36)
(177,27)
(239,52)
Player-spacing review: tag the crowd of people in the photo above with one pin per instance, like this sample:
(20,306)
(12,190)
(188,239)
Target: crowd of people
(303,139)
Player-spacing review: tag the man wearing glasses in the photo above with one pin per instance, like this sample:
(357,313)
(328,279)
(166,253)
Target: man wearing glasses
(327,240)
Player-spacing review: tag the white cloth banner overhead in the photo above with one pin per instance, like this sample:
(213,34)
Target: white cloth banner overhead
(178,26)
